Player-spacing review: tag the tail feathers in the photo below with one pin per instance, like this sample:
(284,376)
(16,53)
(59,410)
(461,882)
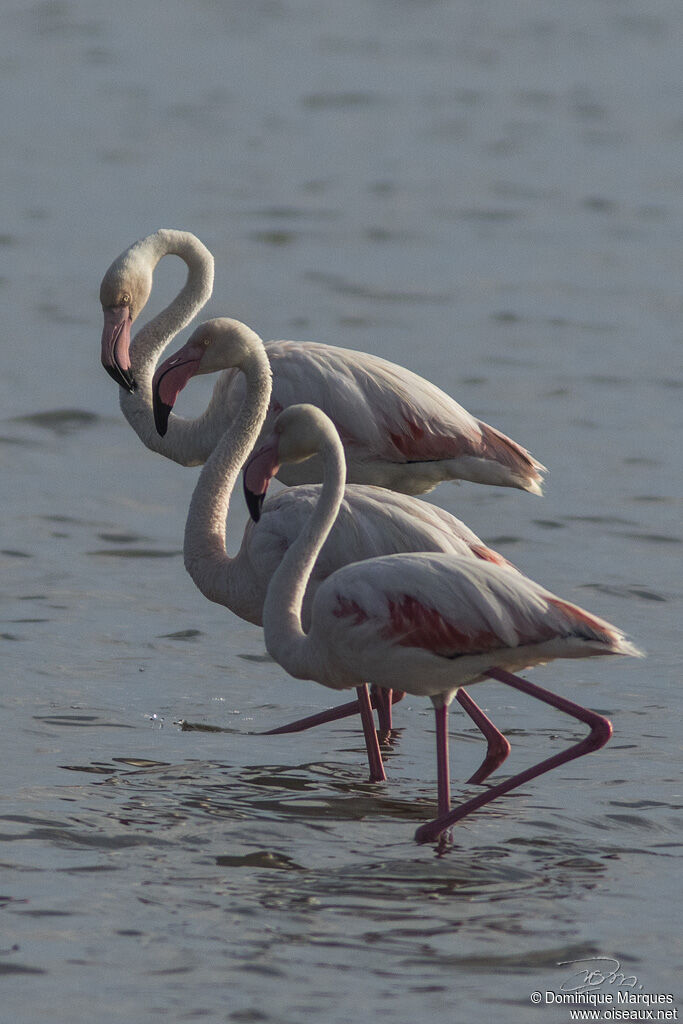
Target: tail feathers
(502,449)
(588,627)
(489,555)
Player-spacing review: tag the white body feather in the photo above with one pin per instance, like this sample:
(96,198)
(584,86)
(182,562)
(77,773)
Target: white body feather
(371,522)
(399,430)
(377,408)
(413,621)
(427,623)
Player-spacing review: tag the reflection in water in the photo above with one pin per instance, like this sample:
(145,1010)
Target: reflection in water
(263,856)
(200,815)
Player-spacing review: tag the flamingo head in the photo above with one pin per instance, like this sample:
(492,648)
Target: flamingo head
(124,292)
(217,344)
(299,432)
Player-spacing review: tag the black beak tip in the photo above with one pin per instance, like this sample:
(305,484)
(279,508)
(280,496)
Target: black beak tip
(161,415)
(254,502)
(124,378)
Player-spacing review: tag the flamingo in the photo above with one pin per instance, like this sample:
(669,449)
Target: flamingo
(429,622)
(398,430)
(371,521)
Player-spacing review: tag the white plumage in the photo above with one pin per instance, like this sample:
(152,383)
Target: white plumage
(399,430)
(371,521)
(432,623)
(426,622)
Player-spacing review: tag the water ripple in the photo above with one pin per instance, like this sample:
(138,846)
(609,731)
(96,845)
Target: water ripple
(624,591)
(134,553)
(59,421)
(338,284)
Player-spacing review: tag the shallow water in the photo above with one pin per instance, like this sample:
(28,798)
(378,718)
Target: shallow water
(485,192)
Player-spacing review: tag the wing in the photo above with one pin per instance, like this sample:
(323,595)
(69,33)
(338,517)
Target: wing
(452,607)
(386,410)
(393,522)
(372,522)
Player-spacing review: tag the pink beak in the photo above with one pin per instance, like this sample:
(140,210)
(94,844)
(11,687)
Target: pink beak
(170,379)
(116,345)
(259,470)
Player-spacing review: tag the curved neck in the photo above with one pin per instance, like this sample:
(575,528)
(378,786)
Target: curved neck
(284,635)
(186,441)
(205,553)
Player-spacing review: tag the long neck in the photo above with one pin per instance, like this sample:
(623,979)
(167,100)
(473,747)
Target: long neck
(187,441)
(206,557)
(284,635)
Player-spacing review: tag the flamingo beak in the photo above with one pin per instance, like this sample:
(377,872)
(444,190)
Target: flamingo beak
(116,344)
(169,380)
(259,470)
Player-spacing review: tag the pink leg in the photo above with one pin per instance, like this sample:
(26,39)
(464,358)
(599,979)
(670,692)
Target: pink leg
(600,732)
(333,715)
(498,746)
(374,756)
(362,706)
(382,700)
(442,767)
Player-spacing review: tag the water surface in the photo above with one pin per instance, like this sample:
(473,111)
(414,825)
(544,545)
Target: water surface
(489,194)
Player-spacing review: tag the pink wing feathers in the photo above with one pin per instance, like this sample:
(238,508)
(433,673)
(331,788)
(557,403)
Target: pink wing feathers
(388,411)
(453,606)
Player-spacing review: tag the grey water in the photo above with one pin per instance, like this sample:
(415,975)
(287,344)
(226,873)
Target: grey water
(489,193)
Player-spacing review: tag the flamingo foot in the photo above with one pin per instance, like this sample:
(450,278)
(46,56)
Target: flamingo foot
(498,746)
(332,715)
(600,732)
(382,700)
(491,762)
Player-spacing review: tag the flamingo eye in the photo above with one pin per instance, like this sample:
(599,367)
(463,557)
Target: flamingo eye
(125,299)
(206,342)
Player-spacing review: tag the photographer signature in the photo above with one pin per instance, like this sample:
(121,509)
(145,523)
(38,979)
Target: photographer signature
(604,970)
